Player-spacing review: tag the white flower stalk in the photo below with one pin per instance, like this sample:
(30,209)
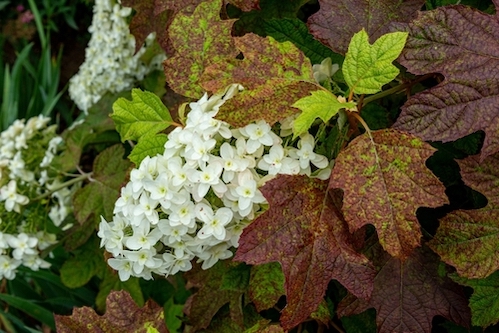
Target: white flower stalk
(195,199)
(110,63)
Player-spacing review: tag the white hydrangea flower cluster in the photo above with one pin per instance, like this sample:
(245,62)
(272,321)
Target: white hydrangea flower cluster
(110,64)
(26,150)
(195,199)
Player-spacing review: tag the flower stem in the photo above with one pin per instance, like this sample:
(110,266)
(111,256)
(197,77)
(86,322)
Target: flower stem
(63,185)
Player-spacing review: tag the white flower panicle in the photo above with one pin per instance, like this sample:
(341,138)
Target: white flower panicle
(27,148)
(110,63)
(195,199)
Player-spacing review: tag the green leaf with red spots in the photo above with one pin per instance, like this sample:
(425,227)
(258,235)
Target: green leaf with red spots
(468,99)
(156,16)
(385,180)
(469,239)
(266,285)
(212,294)
(338,20)
(408,294)
(305,233)
(200,39)
(274,76)
(122,315)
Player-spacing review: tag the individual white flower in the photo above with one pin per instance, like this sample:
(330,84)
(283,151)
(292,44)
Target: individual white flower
(208,176)
(212,255)
(276,162)
(179,261)
(258,134)
(22,244)
(246,191)
(143,237)
(214,222)
(142,259)
(13,200)
(124,266)
(8,267)
(325,70)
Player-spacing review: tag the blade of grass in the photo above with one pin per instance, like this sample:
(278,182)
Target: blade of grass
(30,308)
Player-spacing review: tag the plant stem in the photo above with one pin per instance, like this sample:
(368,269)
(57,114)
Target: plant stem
(398,88)
(63,185)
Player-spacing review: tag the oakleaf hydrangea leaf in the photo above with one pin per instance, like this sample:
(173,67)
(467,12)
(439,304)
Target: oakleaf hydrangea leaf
(274,75)
(305,233)
(245,5)
(295,31)
(148,145)
(210,296)
(156,16)
(200,39)
(266,285)
(144,114)
(469,239)
(408,294)
(385,181)
(122,315)
(368,67)
(462,44)
(320,104)
(484,302)
(98,197)
(338,20)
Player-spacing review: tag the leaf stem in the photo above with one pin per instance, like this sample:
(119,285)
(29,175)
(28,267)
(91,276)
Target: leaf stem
(398,88)
(63,185)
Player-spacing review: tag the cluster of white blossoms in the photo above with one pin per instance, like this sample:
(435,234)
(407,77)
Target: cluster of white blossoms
(194,200)
(110,63)
(26,150)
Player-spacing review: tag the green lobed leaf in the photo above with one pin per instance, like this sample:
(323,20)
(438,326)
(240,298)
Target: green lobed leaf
(144,114)
(338,20)
(274,75)
(98,197)
(385,180)
(173,314)
(200,40)
(266,285)
(148,145)
(368,67)
(320,104)
(484,302)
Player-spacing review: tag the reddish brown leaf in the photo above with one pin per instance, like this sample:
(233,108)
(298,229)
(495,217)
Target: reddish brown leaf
(384,181)
(274,75)
(245,5)
(211,296)
(407,295)
(462,44)
(338,20)
(122,315)
(305,233)
(468,239)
